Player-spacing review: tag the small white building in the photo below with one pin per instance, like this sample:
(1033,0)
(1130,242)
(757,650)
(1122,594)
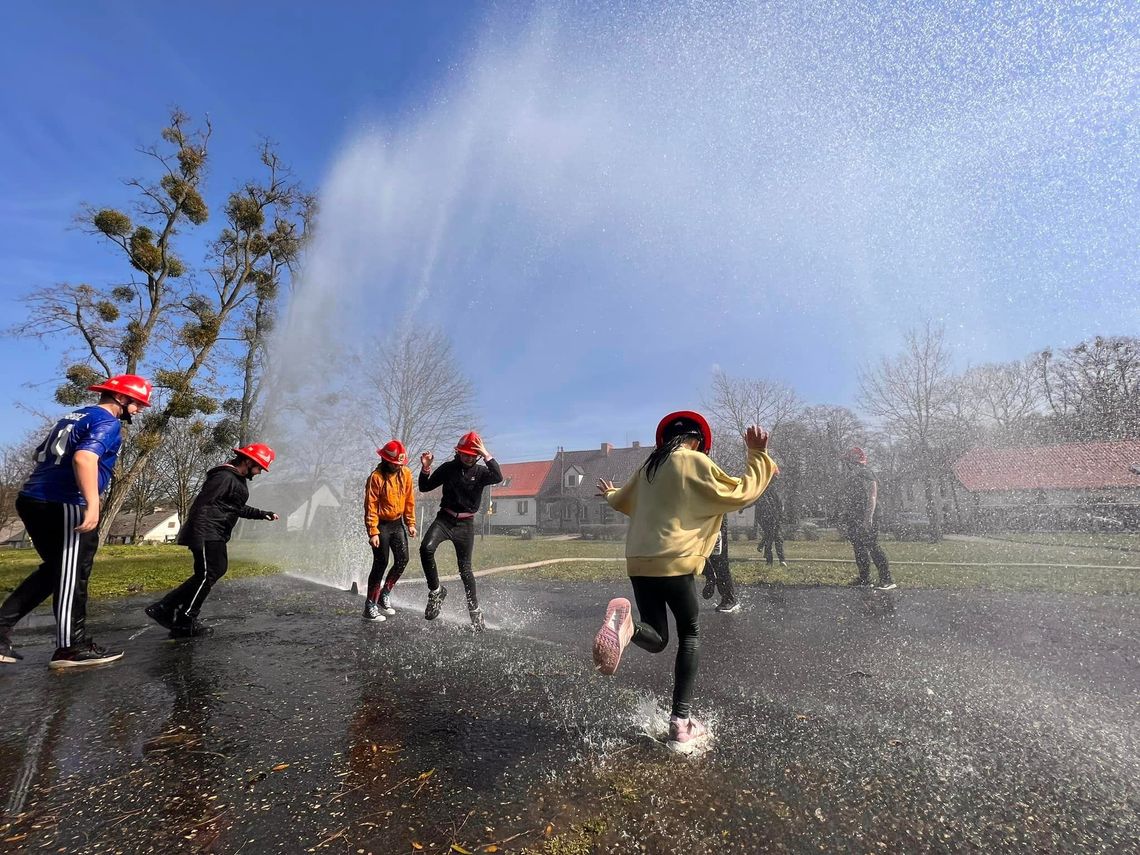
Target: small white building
(301,504)
(514,502)
(159,526)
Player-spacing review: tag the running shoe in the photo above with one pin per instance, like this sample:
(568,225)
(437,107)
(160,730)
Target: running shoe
(8,654)
(82,656)
(190,629)
(159,615)
(372,611)
(686,735)
(783,563)
(614,636)
(889,586)
(435,603)
(477,622)
(709,589)
(386,602)
(728,608)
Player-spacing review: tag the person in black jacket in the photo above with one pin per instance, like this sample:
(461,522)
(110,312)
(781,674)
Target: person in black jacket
(463,479)
(212,517)
(718,575)
(769,511)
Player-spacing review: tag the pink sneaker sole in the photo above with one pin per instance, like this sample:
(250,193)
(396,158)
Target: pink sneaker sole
(614,636)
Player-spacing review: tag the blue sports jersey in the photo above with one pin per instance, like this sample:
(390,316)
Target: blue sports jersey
(89,429)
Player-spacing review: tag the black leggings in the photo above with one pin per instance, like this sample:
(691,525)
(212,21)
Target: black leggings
(771,537)
(865,541)
(461,533)
(394,540)
(679,593)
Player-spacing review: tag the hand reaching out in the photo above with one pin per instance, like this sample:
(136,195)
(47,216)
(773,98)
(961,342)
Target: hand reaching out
(756,438)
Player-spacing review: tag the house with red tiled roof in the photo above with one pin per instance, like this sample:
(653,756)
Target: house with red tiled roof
(1075,484)
(514,501)
(568,498)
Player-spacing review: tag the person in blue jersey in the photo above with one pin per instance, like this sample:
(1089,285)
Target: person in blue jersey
(59,506)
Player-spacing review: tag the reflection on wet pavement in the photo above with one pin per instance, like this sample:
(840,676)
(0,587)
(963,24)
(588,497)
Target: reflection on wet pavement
(844,721)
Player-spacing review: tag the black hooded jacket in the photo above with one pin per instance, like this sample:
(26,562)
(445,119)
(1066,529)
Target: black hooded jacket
(217,507)
(462,485)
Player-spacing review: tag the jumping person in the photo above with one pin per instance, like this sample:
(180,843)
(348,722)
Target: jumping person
(769,511)
(463,479)
(675,503)
(206,532)
(59,506)
(718,574)
(389,519)
(859,496)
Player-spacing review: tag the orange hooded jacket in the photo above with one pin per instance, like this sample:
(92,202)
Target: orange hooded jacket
(388,498)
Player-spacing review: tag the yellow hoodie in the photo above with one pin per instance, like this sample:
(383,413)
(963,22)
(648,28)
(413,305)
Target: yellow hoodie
(674,519)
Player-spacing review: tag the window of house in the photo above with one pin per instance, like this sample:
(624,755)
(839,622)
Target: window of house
(523,507)
(565,512)
(572,479)
(171,524)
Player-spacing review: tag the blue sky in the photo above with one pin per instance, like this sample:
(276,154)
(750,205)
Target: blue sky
(602,206)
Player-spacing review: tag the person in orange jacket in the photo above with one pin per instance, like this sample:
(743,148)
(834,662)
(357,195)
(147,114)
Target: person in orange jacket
(389,518)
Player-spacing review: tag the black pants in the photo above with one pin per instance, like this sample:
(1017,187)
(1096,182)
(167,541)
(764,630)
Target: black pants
(717,569)
(678,594)
(769,537)
(394,540)
(461,533)
(67,558)
(210,564)
(865,540)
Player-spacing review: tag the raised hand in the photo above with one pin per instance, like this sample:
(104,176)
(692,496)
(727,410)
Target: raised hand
(756,438)
(604,486)
(425,460)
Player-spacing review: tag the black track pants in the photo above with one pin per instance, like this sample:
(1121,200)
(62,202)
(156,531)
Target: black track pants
(67,558)
(461,533)
(210,564)
(772,537)
(655,597)
(394,540)
(865,541)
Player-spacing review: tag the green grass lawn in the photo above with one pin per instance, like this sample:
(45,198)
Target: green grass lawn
(122,570)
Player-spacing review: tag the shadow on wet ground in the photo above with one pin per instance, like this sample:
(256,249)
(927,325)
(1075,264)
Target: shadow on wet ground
(845,721)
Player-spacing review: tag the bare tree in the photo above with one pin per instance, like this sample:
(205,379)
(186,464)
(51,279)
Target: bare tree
(190,447)
(915,395)
(1093,389)
(734,403)
(422,397)
(1004,397)
(16,462)
(157,318)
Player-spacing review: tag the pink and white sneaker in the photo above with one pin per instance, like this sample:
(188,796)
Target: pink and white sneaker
(686,735)
(614,636)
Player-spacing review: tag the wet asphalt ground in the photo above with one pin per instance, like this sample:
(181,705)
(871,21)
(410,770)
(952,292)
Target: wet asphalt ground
(844,721)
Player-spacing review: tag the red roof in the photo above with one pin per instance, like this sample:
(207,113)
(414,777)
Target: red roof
(521,479)
(1073,466)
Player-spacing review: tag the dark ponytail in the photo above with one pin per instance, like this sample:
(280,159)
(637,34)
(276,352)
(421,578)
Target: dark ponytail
(662,452)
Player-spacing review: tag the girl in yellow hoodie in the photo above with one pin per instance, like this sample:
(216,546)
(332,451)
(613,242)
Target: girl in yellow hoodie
(675,502)
(389,519)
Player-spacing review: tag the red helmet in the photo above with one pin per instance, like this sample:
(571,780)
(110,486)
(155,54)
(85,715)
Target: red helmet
(681,422)
(855,455)
(468,443)
(394,452)
(136,388)
(259,453)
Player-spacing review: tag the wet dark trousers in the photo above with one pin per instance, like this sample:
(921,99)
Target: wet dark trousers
(717,569)
(770,537)
(210,564)
(67,558)
(655,597)
(461,533)
(394,540)
(865,541)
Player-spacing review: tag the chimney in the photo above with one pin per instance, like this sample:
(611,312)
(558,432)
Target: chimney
(607,448)
(636,444)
